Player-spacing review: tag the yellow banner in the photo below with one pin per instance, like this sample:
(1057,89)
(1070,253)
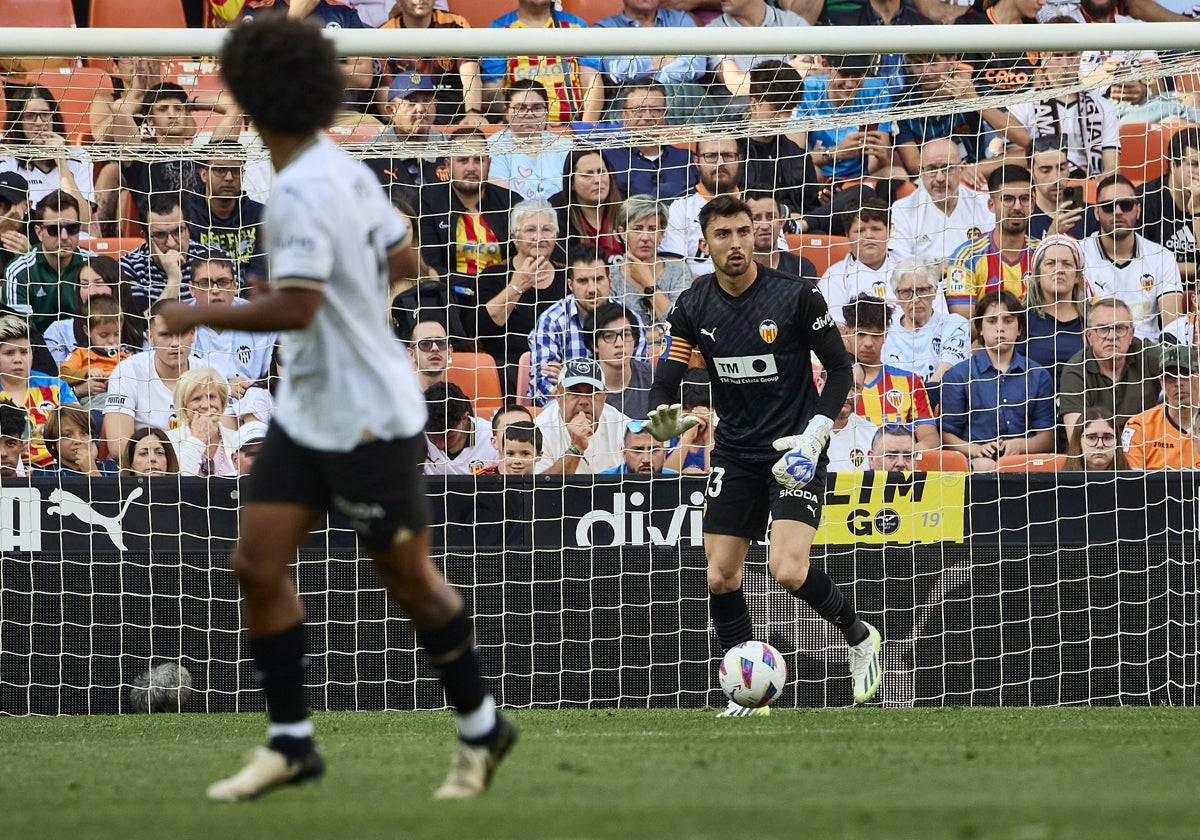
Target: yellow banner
(876,507)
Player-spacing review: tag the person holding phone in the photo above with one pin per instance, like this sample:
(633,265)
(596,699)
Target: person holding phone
(1058,205)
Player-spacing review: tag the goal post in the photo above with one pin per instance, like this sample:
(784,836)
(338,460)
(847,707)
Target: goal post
(1014,587)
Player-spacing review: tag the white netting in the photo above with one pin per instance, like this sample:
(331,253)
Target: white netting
(1067,588)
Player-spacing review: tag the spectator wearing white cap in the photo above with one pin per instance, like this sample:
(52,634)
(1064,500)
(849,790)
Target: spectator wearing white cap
(250,438)
(581,432)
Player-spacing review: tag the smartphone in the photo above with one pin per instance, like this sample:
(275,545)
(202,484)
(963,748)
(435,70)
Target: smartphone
(872,127)
(1071,195)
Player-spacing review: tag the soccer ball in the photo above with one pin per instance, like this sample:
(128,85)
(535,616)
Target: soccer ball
(164,688)
(752,674)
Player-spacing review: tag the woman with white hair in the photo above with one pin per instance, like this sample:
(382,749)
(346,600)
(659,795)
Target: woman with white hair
(514,293)
(205,440)
(1055,295)
(644,280)
(922,338)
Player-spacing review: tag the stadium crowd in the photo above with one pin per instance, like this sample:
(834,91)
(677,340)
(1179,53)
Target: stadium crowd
(1012,295)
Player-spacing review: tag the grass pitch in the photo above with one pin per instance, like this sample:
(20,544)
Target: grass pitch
(1018,774)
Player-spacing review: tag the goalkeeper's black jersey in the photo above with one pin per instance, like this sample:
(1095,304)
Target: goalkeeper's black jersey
(757,350)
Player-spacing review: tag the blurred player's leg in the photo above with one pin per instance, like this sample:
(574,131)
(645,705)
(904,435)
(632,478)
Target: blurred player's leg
(445,631)
(791,543)
(274,618)
(726,556)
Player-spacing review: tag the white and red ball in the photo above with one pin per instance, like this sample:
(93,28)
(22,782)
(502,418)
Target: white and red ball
(752,674)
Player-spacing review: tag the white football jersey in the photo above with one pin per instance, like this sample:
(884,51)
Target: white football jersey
(849,445)
(944,338)
(235,352)
(135,390)
(921,229)
(346,379)
(480,453)
(1151,274)
(605,450)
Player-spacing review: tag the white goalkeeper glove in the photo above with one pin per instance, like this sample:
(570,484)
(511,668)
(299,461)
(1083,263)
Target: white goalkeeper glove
(798,466)
(669,421)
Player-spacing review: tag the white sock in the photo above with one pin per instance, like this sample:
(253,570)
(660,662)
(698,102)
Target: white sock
(299,729)
(478,723)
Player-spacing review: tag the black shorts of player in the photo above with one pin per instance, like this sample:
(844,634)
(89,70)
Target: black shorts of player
(741,495)
(378,486)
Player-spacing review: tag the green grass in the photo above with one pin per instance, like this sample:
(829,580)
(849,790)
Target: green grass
(1019,774)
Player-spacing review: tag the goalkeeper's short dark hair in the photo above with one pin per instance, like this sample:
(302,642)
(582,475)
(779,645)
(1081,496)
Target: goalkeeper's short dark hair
(866,312)
(722,207)
(523,431)
(447,406)
(284,73)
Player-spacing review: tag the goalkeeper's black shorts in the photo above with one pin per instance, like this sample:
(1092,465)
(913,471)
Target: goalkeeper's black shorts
(742,496)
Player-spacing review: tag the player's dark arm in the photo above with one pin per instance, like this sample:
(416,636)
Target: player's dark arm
(668,378)
(279,308)
(839,367)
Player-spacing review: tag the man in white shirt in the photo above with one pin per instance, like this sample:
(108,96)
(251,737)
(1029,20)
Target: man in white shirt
(943,212)
(581,432)
(456,441)
(718,170)
(1123,264)
(852,433)
(867,269)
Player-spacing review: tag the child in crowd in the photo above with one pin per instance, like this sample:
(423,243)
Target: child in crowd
(521,446)
(15,431)
(37,393)
(92,364)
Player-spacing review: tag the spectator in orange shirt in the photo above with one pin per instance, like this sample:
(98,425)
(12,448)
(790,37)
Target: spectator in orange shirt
(1163,437)
(890,396)
(91,366)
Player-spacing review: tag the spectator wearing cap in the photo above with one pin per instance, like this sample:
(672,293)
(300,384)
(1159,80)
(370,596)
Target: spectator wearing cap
(1115,371)
(1163,437)
(456,441)
(223,216)
(734,71)
(250,438)
(581,432)
(851,87)
(560,331)
(411,109)
(455,80)
(641,454)
(14,207)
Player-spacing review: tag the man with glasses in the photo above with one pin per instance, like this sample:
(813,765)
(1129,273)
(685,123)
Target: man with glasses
(1162,437)
(41,282)
(224,216)
(998,260)
(718,172)
(242,357)
(769,243)
(642,454)
(943,212)
(429,349)
(527,157)
(560,331)
(1058,207)
(922,338)
(412,107)
(161,268)
(612,332)
(645,166)
(1115,370)
(1122,263)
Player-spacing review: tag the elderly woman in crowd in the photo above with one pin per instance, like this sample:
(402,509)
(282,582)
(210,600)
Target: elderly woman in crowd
(645,281)
(205,439)
(514,293)
(1055,297)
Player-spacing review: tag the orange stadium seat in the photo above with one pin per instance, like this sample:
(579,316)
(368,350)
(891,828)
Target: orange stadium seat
(1030,463)
(592,10)
(74,88)
(112,246)
(480,13)
(524,365)
(823,250)
(58,13)
(478,376)
(1143,154)
(137,14)
(941,460)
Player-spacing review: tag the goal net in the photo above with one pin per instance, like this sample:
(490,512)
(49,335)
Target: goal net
(1060,578)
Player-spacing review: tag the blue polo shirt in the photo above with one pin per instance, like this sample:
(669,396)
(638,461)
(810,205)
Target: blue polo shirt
(872,95)
(670,175)
(981,404)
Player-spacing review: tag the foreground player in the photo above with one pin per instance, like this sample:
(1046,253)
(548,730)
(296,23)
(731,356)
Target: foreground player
(756,328)
(347,434)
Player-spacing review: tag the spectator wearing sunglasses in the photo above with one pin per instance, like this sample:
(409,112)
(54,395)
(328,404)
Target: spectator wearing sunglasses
(1121,263)
(40,283)
(429,349)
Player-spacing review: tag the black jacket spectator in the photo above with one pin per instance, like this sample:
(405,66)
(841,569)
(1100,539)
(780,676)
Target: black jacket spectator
(440,213)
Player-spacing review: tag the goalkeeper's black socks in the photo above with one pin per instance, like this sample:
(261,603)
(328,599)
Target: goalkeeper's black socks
(451,650)
(821,593)
(279,661)
(730,617)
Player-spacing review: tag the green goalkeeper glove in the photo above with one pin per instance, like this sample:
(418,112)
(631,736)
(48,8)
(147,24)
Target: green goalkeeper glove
(669,421)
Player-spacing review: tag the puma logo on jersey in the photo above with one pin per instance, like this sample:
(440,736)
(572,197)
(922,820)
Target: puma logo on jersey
(712,334)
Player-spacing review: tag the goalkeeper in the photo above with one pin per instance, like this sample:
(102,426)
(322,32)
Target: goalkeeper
(756,329)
